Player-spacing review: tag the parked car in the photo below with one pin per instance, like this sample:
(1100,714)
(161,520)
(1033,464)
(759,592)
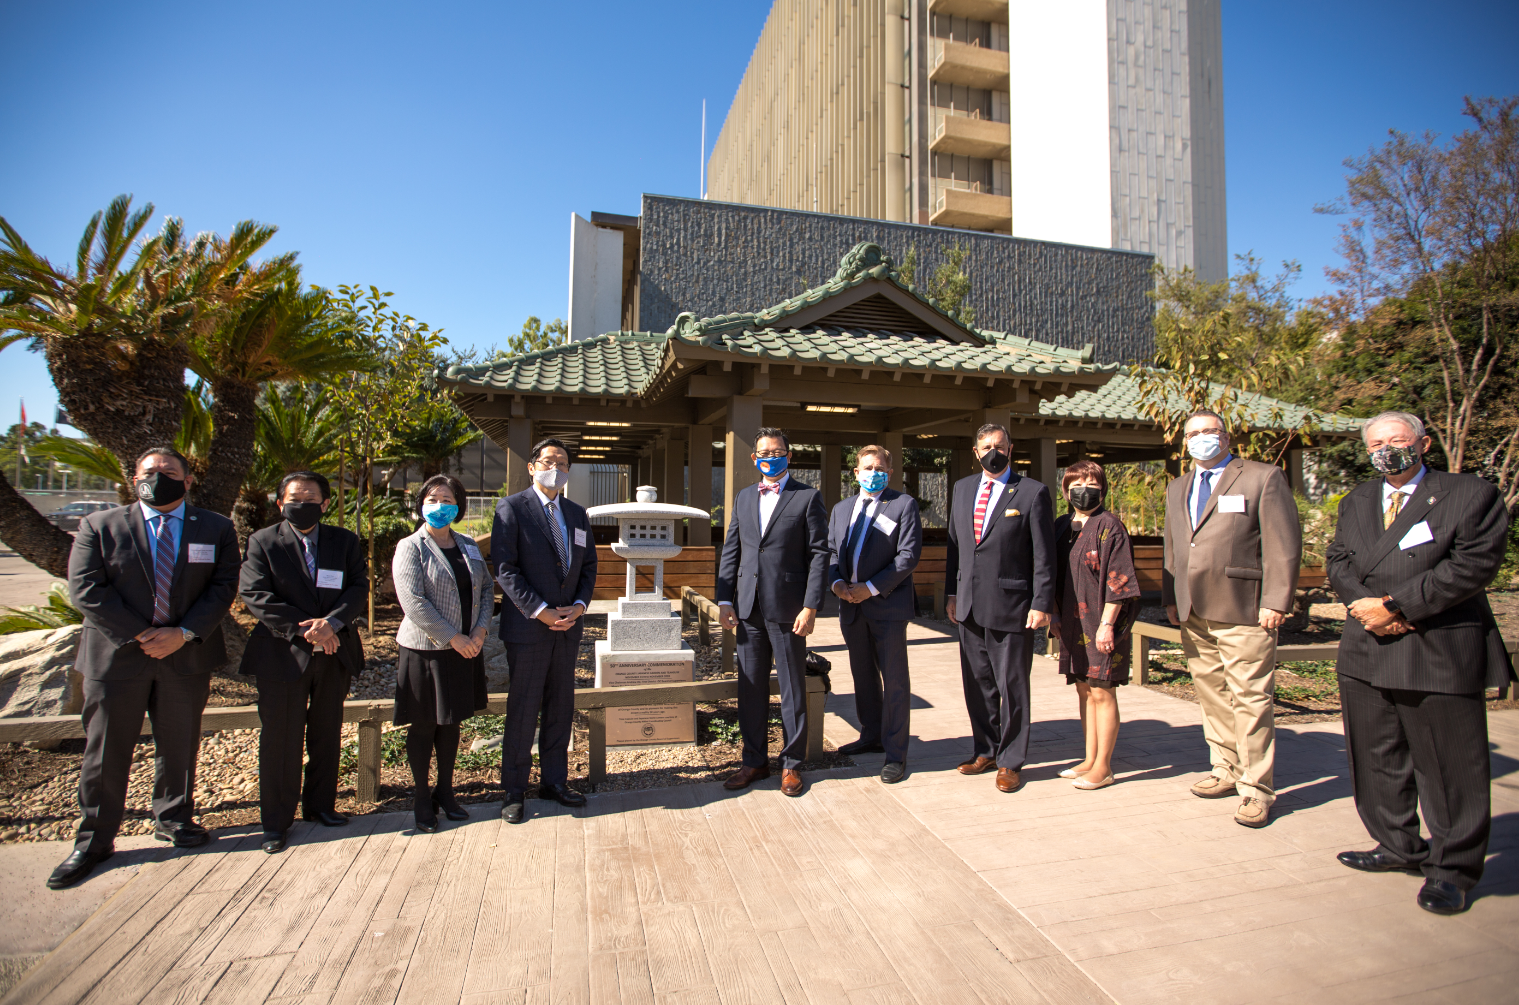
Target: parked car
(67,517)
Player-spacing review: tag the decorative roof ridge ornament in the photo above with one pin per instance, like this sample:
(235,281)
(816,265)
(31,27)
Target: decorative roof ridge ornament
(866,256)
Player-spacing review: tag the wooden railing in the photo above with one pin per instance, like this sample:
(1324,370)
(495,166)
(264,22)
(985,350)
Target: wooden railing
(372,713)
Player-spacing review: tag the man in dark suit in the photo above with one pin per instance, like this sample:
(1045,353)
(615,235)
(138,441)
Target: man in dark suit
(305,582)
(1001,575)
(770,586)
(545,560)
(874,542)
(153,580)
(1413,553)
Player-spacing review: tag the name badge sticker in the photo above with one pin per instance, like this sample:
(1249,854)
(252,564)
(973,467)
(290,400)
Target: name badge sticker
(1418,534)
(579,538)
(329,579)
(471,550)
(886,523)
(202,554)
(1231,504)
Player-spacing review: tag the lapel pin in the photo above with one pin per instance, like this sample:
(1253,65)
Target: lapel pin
(1431,500)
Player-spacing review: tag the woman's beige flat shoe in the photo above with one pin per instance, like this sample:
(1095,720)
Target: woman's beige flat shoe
(1087,783)
(1070,773)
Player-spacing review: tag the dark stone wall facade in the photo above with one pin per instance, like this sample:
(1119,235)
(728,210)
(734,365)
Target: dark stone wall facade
(716,258)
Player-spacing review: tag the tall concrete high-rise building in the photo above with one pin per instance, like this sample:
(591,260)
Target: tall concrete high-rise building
(1096,122)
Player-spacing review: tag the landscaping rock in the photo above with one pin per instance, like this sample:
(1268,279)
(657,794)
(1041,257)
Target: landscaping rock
(35,669)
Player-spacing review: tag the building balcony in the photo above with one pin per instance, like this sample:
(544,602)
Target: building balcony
(972,137)
(972,210)
(994,11)
(970,66)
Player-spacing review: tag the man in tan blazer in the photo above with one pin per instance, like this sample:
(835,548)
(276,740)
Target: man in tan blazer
(1233,544)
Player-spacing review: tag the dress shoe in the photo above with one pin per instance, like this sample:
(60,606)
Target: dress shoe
(1092,783)
(893,772)
(1071,773)
(1213,787)
(862,747)
(77,866)
(1376,860)
(326,818)
(1009,780)
(977,766)
(745,777)
(182,835)
(1440,897)
(443,799)
(512,808)
(274,842)
(791,782)
(422,811)
(1253,812)
(561,794)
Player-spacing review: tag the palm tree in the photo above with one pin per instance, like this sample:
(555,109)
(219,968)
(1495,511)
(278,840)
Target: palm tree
(86,457)
(281,334)
(298,430)
(114,331)
(429,436)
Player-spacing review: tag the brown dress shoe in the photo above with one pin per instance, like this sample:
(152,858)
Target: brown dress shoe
(791,782)
(1008,780)
(977,766)
(744,777)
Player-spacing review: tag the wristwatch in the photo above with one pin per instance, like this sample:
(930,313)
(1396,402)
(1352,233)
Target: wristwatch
(189,635)
(1392,606)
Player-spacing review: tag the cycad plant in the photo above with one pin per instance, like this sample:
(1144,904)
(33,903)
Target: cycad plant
(429,436)
(298,430)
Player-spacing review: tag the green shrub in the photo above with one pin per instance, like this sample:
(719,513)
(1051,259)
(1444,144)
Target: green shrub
(56,613)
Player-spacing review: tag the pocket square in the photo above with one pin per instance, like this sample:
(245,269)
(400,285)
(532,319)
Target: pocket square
(1011,512)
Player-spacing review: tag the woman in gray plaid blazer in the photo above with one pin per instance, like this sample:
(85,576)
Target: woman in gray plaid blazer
(447,598)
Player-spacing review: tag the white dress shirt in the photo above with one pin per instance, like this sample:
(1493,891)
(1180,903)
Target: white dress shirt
(767,501)
(871,503)
(1408,489)
(998,484)
(564,535)
(1214,473)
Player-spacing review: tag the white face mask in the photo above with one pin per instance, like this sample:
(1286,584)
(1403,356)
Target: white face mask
(1205,446)
(553,478)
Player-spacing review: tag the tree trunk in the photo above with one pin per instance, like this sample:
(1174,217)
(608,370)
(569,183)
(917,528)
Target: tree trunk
(125,402)
(234,427)
(24,530)
(250,513)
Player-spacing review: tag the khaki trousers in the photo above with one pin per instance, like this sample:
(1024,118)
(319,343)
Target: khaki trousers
(1234,675)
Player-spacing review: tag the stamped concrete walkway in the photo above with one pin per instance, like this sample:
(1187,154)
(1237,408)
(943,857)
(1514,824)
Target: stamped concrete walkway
(939,889)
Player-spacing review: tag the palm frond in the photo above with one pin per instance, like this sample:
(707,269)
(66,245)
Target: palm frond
(84,456)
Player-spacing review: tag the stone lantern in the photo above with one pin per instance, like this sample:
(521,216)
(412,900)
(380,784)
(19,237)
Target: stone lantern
(643,644)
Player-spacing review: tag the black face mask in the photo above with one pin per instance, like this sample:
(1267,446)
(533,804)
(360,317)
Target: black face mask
(302,515)
(1085,497)
(994,461)
(160,489)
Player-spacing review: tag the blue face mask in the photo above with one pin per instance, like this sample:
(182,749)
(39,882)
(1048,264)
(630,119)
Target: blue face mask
(439,515)
(871,481)
(772,467)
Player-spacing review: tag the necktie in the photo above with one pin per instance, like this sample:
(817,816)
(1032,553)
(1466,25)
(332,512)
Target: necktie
(554,532)
(980,519)
(163,571)
(1394,507)
(310,557)
(1204,492)
(856,530)
(768,487)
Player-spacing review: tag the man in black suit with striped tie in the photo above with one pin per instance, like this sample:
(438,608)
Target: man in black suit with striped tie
(1412,556)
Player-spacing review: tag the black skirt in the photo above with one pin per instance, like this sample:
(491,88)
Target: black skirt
(438,686)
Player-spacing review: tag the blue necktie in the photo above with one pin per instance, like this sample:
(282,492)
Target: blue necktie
(310,558)
(1204,491)
(163,571)
(856,529)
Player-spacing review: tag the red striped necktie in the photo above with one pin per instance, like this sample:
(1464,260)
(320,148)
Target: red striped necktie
(985,497)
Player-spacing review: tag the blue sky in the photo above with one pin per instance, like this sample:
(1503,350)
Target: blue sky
(438,150)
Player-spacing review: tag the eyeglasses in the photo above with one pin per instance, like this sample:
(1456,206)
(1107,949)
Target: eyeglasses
(770,455)
(546,465)
(1215,431)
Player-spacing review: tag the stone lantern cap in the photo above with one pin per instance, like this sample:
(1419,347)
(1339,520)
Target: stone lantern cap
(647,528)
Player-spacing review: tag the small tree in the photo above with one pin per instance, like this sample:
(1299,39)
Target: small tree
(535,336)
(949,284)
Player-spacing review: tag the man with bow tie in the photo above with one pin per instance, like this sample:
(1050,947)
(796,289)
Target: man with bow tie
(770,586)
(1413,553)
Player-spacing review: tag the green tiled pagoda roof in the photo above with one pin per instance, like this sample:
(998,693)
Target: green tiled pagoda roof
(617,364)
(1119,401)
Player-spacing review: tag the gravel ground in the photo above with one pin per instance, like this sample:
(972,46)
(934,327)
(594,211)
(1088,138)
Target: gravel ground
(38,788)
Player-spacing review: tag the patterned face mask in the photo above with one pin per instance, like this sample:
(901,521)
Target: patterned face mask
(1394,460)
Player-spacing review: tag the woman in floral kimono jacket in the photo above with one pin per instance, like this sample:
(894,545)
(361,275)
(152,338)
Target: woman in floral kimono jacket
(1097,600)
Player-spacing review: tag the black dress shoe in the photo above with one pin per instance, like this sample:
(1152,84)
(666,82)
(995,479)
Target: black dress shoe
(511,810)
(1376,860)
(1440,897)
(561,794)
(862,747)
(77,866)
(274,842)
(446,802)
(182,835)
(326,818)
(893,772)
